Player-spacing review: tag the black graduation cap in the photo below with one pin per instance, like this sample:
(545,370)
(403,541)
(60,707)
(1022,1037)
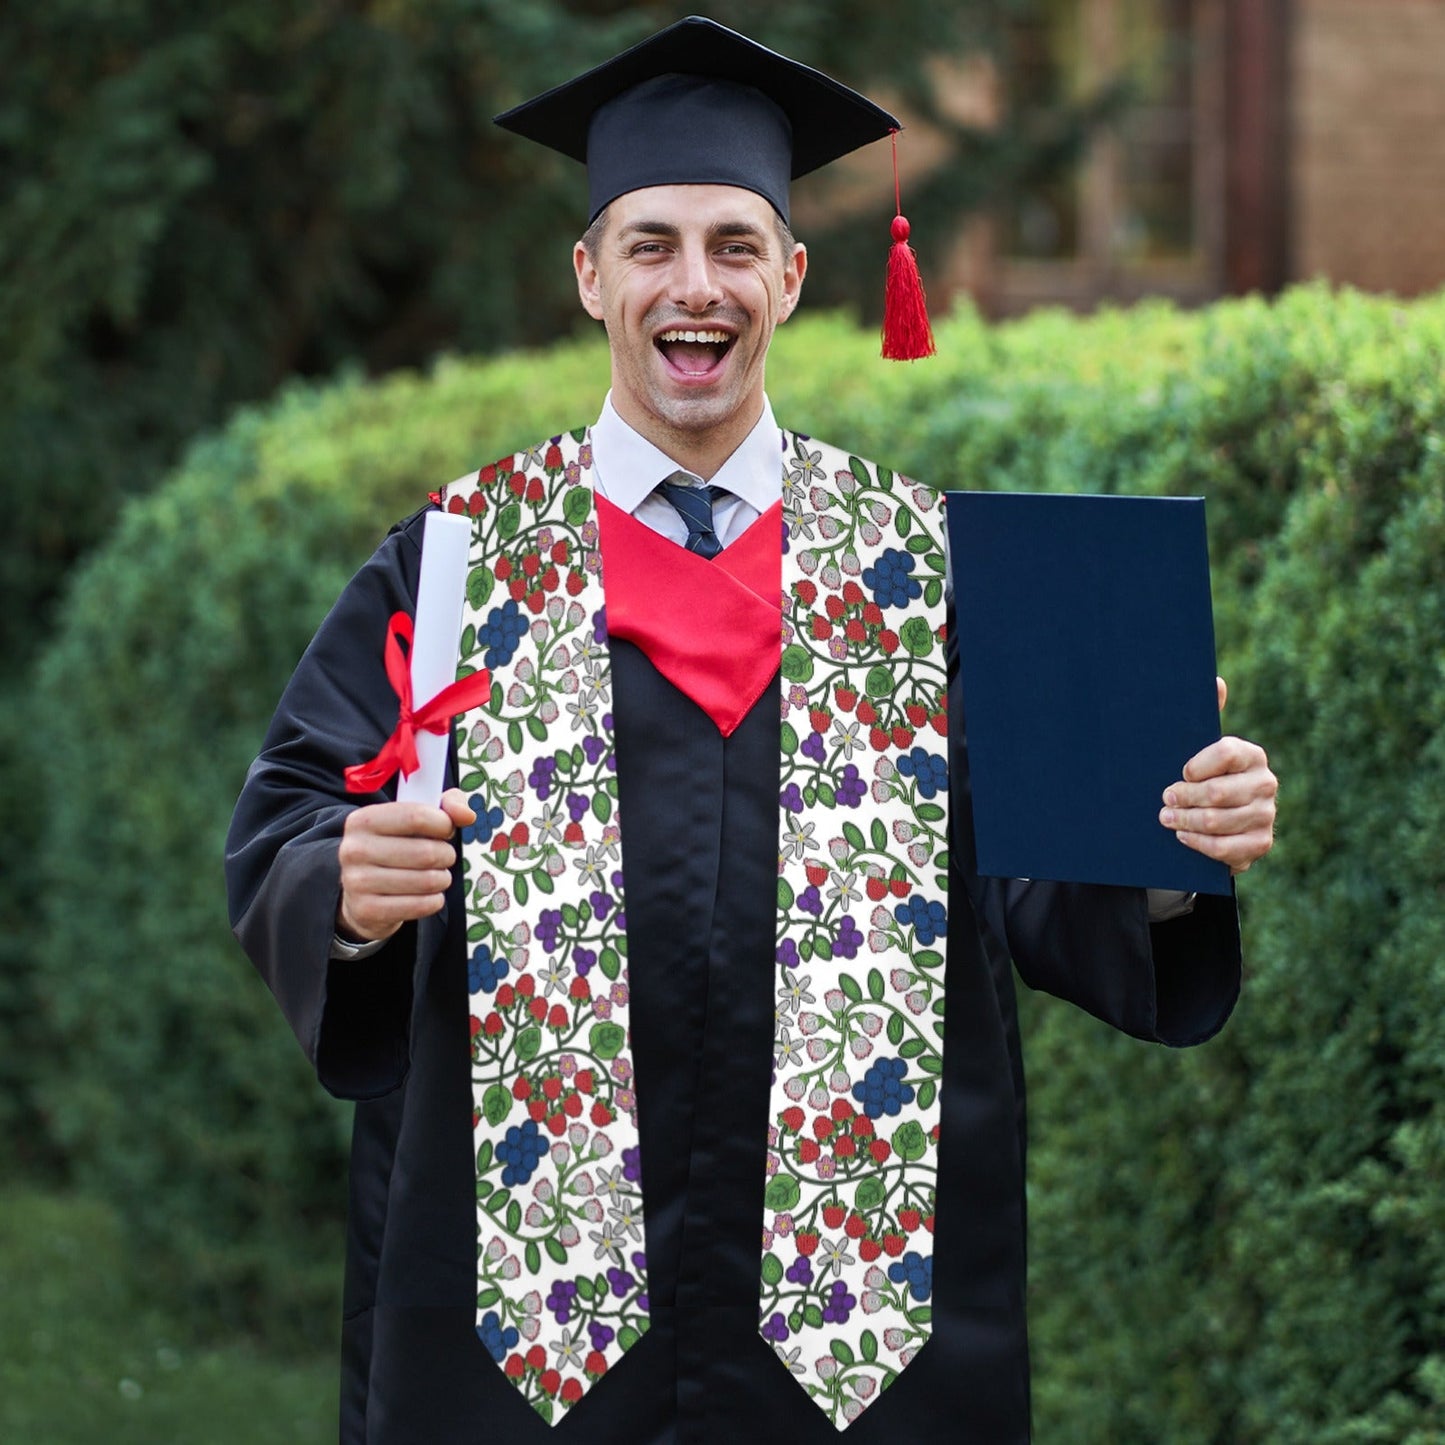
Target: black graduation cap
(699,104)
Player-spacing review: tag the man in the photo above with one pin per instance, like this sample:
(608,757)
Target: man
(739,1053)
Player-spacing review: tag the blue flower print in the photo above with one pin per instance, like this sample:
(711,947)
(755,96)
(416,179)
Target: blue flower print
(930,770)
(496,1339)
(484,972)
(488,821)
(882,1090)
(520,1151)
(891,579)
(501,632)
(929,920)
(917,1271)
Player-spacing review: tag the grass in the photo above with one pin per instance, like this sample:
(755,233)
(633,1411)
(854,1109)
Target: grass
(83,1359)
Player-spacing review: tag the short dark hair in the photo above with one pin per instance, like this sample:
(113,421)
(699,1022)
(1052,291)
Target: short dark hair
(592,236)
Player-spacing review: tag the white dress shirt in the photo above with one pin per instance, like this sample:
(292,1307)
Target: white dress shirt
(626,469)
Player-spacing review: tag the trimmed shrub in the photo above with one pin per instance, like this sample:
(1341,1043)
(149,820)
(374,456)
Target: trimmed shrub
(1242,1244)
(1238,1244)
(173,1092)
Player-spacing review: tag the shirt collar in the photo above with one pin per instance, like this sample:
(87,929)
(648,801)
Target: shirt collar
(628,466)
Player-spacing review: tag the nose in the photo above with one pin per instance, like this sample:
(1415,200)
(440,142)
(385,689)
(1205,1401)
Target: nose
(696,287)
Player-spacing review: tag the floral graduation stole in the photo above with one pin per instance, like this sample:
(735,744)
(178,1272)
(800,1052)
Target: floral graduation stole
(847,1202)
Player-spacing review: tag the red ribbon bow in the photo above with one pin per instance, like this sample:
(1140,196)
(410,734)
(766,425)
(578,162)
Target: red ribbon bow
(399,750)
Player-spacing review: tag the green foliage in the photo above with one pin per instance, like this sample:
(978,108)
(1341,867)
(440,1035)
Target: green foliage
(1245,1245)
(87,1353)
(1336,1172)
(175,1096)
(1236,1246)
(197,202)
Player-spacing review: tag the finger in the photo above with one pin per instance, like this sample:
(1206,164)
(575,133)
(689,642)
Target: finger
(1239,850)
(1256,814)
(388,850)
(371,917)
(1227,790)
(401,820)
(379,881)
(1228,755)
(1222,688)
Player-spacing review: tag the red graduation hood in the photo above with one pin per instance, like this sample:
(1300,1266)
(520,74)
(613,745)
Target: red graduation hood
(712,628)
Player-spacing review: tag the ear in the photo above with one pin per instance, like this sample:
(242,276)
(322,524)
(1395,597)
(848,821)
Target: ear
(589,284)
(794,269)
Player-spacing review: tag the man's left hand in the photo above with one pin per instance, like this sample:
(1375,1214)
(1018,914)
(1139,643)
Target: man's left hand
(1224,805)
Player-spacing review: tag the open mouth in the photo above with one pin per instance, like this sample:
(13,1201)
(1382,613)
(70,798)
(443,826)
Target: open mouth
(694,353)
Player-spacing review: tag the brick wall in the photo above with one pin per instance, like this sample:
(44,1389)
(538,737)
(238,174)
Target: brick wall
(1367,143)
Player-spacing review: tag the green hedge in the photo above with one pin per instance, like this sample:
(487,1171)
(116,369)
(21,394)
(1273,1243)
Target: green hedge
(1239,1244)
(173,1091)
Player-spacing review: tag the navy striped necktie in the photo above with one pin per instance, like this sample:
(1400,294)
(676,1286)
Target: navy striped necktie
(694,505)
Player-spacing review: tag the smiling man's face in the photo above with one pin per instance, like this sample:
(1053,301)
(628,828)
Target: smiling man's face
(690,282)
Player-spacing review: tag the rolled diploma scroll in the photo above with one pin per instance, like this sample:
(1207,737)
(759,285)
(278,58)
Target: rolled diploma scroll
(446,542)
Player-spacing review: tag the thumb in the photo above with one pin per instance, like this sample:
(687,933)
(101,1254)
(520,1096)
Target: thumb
(1222,688)
(457,807)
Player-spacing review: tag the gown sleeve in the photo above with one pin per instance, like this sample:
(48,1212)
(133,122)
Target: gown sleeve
(283,877)
(1093,945)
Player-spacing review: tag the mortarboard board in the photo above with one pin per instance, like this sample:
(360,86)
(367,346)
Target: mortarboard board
(699,104)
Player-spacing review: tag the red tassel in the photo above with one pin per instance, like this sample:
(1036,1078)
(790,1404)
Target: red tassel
(906,332)
(907,336)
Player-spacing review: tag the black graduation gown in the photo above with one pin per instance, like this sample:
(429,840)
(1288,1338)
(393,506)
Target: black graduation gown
(700,840)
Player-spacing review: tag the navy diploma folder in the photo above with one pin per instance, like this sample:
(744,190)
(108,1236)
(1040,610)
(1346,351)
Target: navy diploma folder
(1086,654)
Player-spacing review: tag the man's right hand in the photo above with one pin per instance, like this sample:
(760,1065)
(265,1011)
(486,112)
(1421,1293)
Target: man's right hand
(396,861)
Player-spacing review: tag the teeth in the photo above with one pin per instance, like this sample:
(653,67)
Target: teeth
(718,337)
